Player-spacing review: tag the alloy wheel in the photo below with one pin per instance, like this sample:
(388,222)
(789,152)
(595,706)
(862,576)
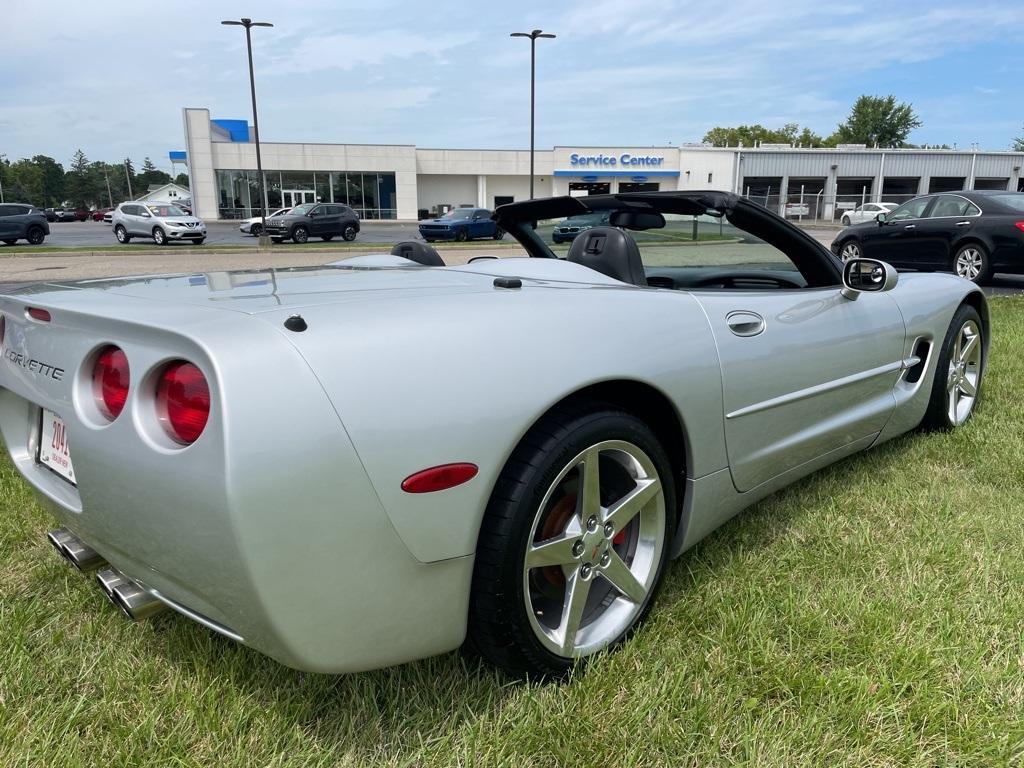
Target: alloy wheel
(964,373)
(969,263)
(850,251)
(594,549)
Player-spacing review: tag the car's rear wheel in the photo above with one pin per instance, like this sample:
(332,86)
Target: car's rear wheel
(122,235)
(498,233)
(462,235)
(300,235)
(958,372)
(851,250)
(159,236)
(845,221)
(10,242)
(255,230)
(573,542)
(35,235)
(349,234)
(972,262)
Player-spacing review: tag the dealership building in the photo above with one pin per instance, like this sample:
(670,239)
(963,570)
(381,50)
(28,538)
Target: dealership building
(402,181)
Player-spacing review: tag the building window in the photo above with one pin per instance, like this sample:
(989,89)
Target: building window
(709,178)
(371,194)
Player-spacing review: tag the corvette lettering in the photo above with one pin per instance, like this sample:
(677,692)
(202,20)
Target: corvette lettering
(34,366)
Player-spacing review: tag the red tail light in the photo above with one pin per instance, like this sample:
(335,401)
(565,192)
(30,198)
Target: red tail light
(183,401)
(42,315)
(1019,225)
(110,379)
(439,478)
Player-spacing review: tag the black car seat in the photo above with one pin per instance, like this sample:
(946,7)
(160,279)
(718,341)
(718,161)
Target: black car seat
(610,251)
(421,253)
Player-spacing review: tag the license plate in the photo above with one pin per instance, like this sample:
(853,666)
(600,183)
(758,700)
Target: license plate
(54,452)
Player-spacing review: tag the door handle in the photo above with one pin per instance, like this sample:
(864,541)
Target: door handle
(911,226)
(744,323)
(963,223)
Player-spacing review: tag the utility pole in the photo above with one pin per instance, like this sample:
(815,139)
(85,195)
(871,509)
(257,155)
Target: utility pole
(110,197)
(249,24)
(128,176)
(533,87)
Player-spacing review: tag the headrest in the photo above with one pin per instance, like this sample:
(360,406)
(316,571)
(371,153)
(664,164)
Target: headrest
(421,253)
(611,252)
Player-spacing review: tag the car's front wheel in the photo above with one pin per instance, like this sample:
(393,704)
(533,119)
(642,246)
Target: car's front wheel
(255,230)
(122,235)
(573,542)
(462,235)
(958,372)
(845,221)
(349,234)
(159,236)
(972,262)
(300,235)
(850,250)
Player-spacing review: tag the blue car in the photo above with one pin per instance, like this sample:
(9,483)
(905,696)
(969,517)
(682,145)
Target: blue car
(461,224)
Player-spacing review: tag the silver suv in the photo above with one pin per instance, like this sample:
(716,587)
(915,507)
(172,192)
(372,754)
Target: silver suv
(164,222)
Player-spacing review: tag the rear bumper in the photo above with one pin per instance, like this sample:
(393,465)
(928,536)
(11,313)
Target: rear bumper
(272,534)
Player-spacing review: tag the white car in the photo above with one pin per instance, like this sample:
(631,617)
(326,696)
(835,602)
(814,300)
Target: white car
(255,224)
(866,212)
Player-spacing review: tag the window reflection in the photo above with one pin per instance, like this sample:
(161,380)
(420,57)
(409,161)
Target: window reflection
(371,194)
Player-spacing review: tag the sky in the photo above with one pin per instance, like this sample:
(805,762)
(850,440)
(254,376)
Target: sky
(113,82)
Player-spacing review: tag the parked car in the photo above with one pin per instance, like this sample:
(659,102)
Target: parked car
(108,217)
(164,222)
(865,212)
(974,234)
(22,222)
(254,225)
(100,214)
(71,214)
(50,213)
(566,231)
(323,220)
(461,224)
(372,461)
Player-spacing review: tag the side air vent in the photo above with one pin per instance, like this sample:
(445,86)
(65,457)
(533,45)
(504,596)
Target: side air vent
(921,350)
(659,281)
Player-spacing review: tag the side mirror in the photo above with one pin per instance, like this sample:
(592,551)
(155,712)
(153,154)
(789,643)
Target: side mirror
(867,276)
(147,215)
(880,218)
(313,214)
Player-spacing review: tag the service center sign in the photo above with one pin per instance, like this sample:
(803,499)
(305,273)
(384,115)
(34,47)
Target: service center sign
(626,159)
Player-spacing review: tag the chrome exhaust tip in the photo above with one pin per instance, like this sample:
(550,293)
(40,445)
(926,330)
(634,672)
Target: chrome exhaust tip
(74,550)
(132,600)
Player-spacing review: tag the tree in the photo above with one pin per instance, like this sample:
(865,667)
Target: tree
(24,183)
(152,175)
(182,180)
(53,180)
(1018,144)
(877,120)
(750,135)
(80,183)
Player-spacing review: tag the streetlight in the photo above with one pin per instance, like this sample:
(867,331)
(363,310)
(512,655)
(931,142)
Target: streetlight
(249,24)
(533,85)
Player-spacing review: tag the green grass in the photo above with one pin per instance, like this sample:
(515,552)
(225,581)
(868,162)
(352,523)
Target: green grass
(871,615)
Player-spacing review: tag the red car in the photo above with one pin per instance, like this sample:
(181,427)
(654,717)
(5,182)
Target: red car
(97,215)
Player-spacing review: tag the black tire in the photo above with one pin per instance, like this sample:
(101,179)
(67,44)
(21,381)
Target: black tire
(349,234)
(10,242)
(429,239)
(845,221)
(498,233)
(499,625)
(255,230)
(937,417)
(300,235)
(35,235)
(159,236)
(972,262)
(462,235)
(122,235)
(327,238)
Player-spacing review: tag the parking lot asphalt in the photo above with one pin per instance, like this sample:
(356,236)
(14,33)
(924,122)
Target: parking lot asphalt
(96,233)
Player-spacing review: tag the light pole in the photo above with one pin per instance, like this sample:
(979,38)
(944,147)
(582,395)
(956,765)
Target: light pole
(249,24)
(533,86)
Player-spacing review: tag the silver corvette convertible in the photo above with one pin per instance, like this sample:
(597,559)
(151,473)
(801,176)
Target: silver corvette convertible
(385,458)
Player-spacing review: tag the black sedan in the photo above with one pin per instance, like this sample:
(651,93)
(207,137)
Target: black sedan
(974,234)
